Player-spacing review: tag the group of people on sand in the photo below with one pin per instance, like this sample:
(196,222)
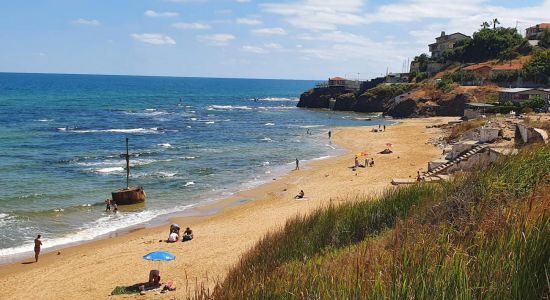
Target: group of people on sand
(368,163)
(174,235)
(111,204)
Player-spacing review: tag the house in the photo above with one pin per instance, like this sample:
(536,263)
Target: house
(445,42)
(482,71)
(343,83)
(508,67)
(519,95)
(397,78)
(532,33)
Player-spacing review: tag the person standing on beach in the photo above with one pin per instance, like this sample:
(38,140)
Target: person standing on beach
(329,134)
(297,165)
(37,246)
(108,205)
(384,128)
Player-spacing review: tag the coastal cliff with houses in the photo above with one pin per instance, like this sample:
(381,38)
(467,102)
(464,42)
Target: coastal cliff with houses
(461,76)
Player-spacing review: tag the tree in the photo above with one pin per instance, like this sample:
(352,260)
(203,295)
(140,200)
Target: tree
(495,22)
(537,68)
(422,61)
(544,38)
(485,25)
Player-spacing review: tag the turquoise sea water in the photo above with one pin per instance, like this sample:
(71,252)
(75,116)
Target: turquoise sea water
(192,140)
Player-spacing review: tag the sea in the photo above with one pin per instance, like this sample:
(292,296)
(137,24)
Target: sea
(192,141)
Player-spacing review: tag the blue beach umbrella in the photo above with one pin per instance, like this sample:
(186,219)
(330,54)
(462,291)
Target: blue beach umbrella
(159,256)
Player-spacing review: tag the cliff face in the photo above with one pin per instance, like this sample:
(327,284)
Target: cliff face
(397,101)
(319,97)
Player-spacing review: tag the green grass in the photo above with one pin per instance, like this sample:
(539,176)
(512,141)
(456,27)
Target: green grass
(483,236)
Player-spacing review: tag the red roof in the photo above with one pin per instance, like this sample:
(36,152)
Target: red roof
(544,25)
(337,78)
(508,67)
(475,67)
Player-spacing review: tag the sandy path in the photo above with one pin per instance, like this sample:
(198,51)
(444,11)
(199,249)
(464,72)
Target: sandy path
(91,271)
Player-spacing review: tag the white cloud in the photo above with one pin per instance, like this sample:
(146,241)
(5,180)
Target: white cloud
(273,46)
(319,14)
(218,40)
(248,21)
(197,26)
(153,38)
(155,14)
(89,22)
(254,49)
(270,31)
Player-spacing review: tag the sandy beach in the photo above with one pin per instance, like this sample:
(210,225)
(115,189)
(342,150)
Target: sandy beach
(93,270)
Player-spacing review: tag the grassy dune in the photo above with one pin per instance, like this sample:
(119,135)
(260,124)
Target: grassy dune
(483,236)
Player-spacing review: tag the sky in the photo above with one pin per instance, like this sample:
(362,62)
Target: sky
(290,39)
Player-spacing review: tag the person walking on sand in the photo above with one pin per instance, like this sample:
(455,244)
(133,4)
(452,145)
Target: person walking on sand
(297,165)
(37,246)
(384,128)
(329,134)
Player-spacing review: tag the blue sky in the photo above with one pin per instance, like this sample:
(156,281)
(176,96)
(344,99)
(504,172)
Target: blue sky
(296,39)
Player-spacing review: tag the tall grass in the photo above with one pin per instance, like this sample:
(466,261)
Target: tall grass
(484,236)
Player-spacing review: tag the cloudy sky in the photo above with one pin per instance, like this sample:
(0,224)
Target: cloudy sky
(296,39)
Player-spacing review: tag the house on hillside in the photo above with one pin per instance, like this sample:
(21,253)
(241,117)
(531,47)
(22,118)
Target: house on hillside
(519,95)
(508,67)
(532,32)
(397,78)
(343,83)
(445,42)
(482,71)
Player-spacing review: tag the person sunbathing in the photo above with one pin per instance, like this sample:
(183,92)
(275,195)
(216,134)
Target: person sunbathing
(154,277)
(300,195)
(174,237)
(187,235)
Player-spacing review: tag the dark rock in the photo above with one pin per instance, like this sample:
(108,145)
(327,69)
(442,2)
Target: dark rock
(345,102)
(319,97)
(402,108)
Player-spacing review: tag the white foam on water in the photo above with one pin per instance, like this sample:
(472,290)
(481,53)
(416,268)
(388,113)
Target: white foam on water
(229,107)
(269,124)
(44,120)
(98,228)
(166,174)
(189,183)
(114,130)
(165,145)
(267,139)
(110,170)
(279,99)
(209,122)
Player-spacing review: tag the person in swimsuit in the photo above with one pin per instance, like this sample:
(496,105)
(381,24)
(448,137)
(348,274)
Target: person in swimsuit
(37,246)
(108,205)
(187,235)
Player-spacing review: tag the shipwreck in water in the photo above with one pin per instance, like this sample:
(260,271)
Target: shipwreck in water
(128,195)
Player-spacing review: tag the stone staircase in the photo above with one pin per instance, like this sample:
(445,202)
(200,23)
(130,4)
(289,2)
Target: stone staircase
(445,166)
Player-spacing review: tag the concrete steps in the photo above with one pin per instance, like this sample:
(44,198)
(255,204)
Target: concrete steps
(453,162)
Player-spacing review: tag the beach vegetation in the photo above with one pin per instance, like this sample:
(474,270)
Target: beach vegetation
(482,235)
(537,69)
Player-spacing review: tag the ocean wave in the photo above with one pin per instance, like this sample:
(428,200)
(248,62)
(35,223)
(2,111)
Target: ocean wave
(115,130)
(44,120)
(229,107)
(308,126)
(209,122)
(266,139)
(269,124)
(109,170)
(189,183)
(100,227)
(280,99)
(165,145)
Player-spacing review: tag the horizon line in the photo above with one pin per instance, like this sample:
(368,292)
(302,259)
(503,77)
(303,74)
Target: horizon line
(167,76)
